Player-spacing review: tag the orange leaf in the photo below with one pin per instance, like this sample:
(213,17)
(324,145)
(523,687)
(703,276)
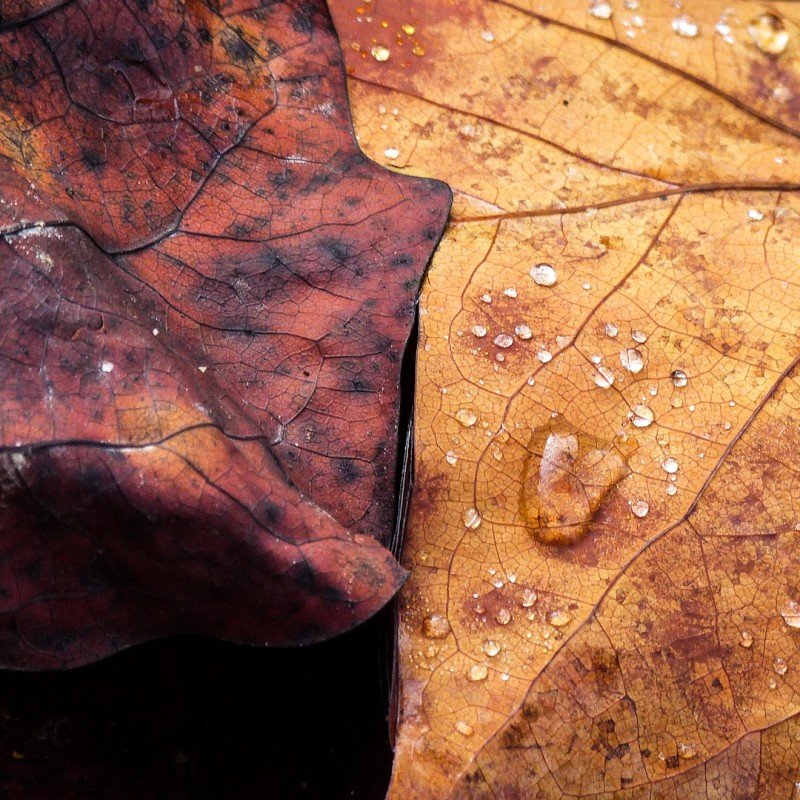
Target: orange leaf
(603,536)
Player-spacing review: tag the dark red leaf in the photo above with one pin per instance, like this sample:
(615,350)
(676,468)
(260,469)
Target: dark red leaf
(207,290)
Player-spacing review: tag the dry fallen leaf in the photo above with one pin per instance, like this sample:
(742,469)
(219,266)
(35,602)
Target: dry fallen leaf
(207,290)
(604,532)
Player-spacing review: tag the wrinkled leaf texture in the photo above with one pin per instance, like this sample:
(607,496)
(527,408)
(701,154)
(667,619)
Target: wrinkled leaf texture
(206,294)
(652,160)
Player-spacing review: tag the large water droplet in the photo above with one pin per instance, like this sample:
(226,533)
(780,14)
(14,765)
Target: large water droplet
(523,331)
(544,275)
(566,478)
(632,360)
(503,616)
(503,340)
(642,416)
(769,33)
(640,508)
(670,465)
(435,626)
(479,331)
(791,614)
(611,329)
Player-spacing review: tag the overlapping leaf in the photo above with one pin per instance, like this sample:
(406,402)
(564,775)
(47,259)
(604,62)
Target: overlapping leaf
(207,290)
(604,533)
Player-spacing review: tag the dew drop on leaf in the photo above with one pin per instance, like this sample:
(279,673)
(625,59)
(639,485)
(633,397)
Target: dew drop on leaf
(503,616)
(544,356)
(466,417)
(478,672)
(639,336)
(611,329)
(640,508)
(642,416)
(679,378)
(544,275)
(670,465)
(746,639)
(529,597)
(769,33)
(523,331)
(479,331)
(567,476)
(503,340)
(601,9)
(464,728)
(435,626)
(380,52)
(791,614)
(491,648)
(472,519)
(604,376)
(451,458)
(684,25)
(780,665)
(559,618)
(632,360)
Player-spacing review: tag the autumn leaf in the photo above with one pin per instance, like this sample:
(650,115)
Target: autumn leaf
(207,293)
(604,532)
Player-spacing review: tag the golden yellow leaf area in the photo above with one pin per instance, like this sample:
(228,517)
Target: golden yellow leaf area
(604,535)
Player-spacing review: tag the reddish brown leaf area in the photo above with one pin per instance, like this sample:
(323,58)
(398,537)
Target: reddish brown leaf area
(207,292)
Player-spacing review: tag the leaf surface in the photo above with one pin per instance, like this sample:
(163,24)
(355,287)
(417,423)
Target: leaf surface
(207,293)
(604,529)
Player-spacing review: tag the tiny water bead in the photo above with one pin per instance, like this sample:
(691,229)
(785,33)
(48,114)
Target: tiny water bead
(791,614)
(600,9)
(755,215)
(544,275)
(510,292)
(544,356)
(769,33)
(640,508)
(472,519)
(780,665)
(479,331)
(491,648)
(529,598)
(380,52)
(679,378)
(684,25)
(746,639)
(639,336)
(503,340)
(464,728)
(632,360)
(611,329)
(435,626)
(451,458)
(643,416)
(503,616)
(391,152)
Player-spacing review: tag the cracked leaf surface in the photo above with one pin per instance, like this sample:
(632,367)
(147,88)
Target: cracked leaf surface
(207,293)
(603,535)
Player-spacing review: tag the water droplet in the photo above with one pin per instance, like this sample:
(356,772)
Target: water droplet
(639,336)
(687,750)
(478,672)
(780,665)
(503,616)
(769,33)
(380,52)
(559,618)
(466,417)
(523,331)
(464,728)
(472,519)
(107,366)
(512,577)
(529,597)
(755,215)
(435,626)
(604,376)
(746,639)
(503,340)
(566,478)
(611,329)
(491,648)
(679,378)
(202,368)
(531,381)
(791,614)
(451,458)
(684,25)
(510,292)
(632,360)
(409,29)
(487,36)
(418,50)
(544,356)
(391,152)
(544,275)
(479,331)
(601,9)
(642,416)
(504,676)
(155,331)
(497,583)
(772,683)
(640,508)
(670,465)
